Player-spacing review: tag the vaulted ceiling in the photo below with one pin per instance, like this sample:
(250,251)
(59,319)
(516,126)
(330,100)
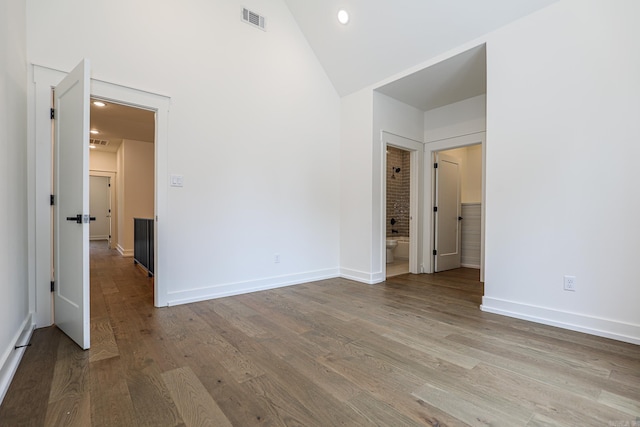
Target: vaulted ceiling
(383,38)
(386,37)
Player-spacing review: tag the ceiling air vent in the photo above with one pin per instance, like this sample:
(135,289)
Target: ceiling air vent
(253,18)
(98,142)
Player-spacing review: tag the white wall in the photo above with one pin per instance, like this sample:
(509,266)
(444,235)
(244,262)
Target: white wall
(563,93)
(253,128)
(398,118)
(460,118)
(103,161)
(356,187)
(119,208)
(99,205)
(472,175)
(136,189)
(16,303)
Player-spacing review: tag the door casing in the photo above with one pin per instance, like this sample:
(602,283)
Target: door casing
(100,215)
(39,172)
(415,199)
(113,202)
(429,150)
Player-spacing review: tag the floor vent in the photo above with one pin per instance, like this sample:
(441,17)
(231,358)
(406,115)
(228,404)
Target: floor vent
(98,142)
(253,18)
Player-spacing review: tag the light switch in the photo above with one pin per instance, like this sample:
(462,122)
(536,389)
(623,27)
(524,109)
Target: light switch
(176,180)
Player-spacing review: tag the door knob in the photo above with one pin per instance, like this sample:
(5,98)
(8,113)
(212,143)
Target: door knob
(79,219)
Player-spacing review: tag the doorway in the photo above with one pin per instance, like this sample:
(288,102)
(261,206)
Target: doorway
(100,208)
(122,145)
(398,203)
(457,226)
(468,151)
(402,213)
(40,166)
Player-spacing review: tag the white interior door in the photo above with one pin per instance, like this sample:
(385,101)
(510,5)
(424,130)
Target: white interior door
(99,207)
(447,214)
(71,213)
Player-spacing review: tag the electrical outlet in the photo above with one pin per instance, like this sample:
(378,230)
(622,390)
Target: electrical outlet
(570,283)
(276,258)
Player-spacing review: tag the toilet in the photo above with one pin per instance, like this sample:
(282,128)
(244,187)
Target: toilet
(391,245)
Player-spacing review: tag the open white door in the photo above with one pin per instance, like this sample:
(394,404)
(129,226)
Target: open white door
(447,214)
(71,212)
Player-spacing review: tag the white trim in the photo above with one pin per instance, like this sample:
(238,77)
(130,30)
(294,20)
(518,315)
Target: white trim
(429,150)
(362,276)
(238,288)
(474,266)
(124,252)
(39,177)
(114,204)
(573,321)
(12,356)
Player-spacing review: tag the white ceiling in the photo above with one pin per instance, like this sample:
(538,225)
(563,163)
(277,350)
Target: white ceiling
(455,79)
(386,37)
(116,122)
(383,38)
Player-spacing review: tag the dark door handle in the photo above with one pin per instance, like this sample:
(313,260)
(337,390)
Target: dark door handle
(77,218)
(459,218)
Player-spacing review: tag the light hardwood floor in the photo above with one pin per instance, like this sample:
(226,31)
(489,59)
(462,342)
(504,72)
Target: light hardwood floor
(415,350)
(397,268)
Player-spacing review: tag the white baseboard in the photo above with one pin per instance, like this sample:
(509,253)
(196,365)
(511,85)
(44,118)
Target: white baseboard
(573,321)
(11,357)
(106,237)
(123,251)
(474,266)
(230,289)
(361,276)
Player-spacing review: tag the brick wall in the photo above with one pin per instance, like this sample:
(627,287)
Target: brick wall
(398,192)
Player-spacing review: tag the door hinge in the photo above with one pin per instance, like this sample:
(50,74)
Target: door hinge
(435,166)
(435,209)
(53,286)
(52,200)
(53,113)
(435,252)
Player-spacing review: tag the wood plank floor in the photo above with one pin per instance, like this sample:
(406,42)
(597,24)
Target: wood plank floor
(415,350)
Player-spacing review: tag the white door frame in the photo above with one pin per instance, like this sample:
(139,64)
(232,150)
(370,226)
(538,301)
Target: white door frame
(39,173)
(429,202)
(113,198)
(415,198)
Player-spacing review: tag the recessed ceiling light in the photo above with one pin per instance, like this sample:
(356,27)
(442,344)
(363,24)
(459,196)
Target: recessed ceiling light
(92,146)
(343,17)
(93,131)
(99,103)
